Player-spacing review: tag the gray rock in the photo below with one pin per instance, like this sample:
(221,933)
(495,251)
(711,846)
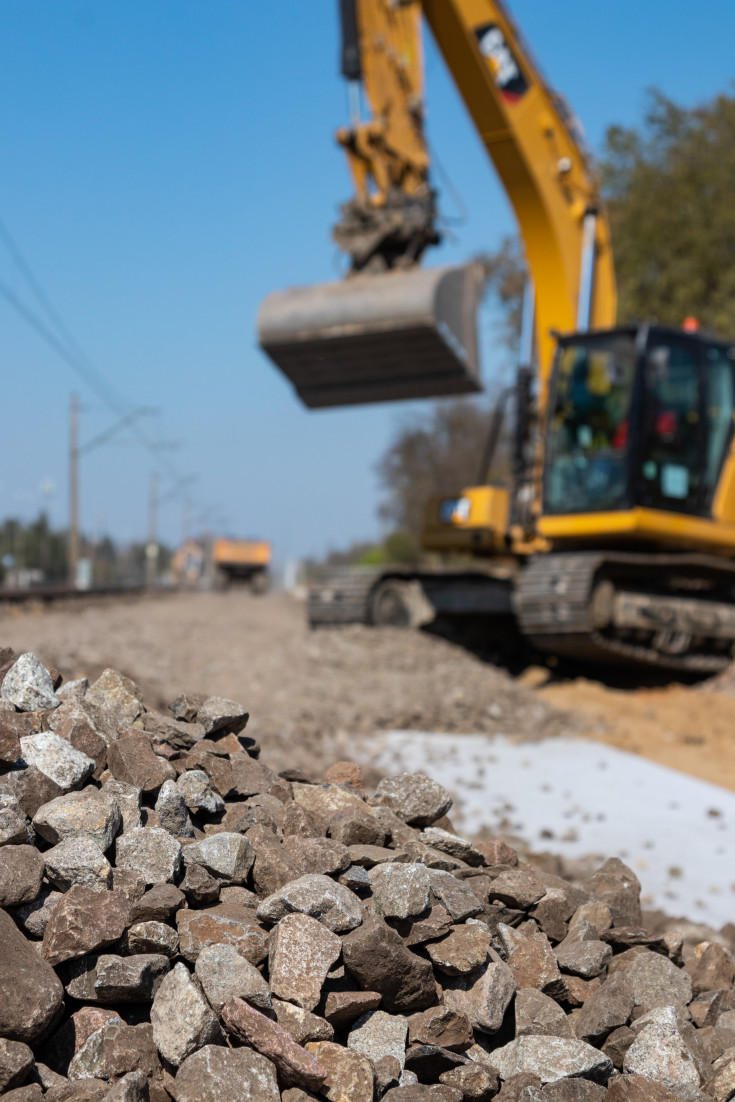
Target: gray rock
(16,1061)
(77,860)
(484,996)
(21,872)
(302,1024)
(181,1017)
(330,903)
(226,856)
(173,814)
(30,993)
(415,798)
(661,1053)
(400,891)
(581,955)
(57,759)
(618,886)
(226,1075)
(128,799)
(198,793)
(551,1058)
(217,713)
(224,974)
(537,1015)
(129,979)
(73,690)
(15,826)
(132,1087)
(152,937)
(302,952)
(451,844)
(604,1010)
(454,895)
(34,916)
(28,685)
(114,1050)
(150,851)
(377,1034)
(92,815)
(653,979)
(116,698)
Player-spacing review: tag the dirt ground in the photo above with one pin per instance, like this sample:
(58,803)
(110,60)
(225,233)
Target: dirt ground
(311,693)
(308,693)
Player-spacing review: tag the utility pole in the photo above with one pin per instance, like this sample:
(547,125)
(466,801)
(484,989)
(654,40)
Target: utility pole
(73,548)
(151,550)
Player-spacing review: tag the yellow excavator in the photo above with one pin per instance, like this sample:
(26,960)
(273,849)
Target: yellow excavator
(612,536)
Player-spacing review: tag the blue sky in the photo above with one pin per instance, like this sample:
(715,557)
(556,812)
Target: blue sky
(166,163)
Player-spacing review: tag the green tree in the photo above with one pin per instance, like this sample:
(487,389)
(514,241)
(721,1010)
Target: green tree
(669,188)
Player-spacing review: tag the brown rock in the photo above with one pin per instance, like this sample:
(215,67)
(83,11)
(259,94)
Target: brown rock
(16,1061)
(21,872)
(83,921)
(379,961)
(355,826)
(605,1010)
(225,924)
(533,964)
(249,777)
(77,729)
(307,824)
(432,925)
(344,772)
(10,732)
(348,1074)
(538,1015)
(441,1026)
(216,1074)
(295,1066)
(31,788)
(115,1050)
(30,994)
(615,884)
(462,952)
(518,888)
(343,1007)
(638,1088)
(322,855)
(274,866)
(484,996)
(477,1084)
(618,1044)
(199,886)
(31,1093)
(132,760)
(159,904)
(302,1024)
(712,970)
(302,951)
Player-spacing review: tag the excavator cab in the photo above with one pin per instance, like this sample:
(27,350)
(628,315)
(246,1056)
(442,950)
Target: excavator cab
(639,420)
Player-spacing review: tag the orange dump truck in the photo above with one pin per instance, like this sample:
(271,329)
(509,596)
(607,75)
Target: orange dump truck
(241,561)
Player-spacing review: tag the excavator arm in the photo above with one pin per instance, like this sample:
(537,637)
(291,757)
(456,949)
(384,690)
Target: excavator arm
(332,341)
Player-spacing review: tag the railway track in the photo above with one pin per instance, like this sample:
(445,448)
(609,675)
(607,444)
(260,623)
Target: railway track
(50,594)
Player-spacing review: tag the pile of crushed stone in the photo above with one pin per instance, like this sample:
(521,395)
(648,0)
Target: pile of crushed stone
(179,921)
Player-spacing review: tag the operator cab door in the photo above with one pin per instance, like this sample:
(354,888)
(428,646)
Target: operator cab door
(685,418)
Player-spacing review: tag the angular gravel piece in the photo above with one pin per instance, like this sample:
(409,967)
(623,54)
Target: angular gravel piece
(150,851)
(415,798)
(318,896)
(28,685)
(57,759)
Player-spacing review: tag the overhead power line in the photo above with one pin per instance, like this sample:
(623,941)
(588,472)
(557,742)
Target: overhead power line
(56,334)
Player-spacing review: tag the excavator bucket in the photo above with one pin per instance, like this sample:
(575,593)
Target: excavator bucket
(377,338)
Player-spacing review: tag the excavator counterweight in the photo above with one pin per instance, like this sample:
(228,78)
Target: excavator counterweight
(377,338)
